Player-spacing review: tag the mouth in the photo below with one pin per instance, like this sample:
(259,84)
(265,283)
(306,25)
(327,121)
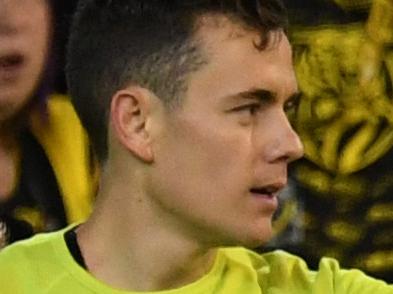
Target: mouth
(10,65)
(268,191)
(267,195)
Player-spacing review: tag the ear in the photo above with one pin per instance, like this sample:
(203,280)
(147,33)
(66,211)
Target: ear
(130,110)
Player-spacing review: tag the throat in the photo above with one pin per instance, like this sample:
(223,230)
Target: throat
(141,268)
(9,166)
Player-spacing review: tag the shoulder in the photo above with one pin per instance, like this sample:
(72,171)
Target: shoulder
(274,259)
(285,271)
(29,251)
(31,264)
(20,264)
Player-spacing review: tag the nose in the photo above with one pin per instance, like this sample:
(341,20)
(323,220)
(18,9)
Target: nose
(295,148)
(284,144)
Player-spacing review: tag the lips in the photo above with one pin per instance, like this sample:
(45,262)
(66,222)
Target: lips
(10,66)
(11,60)
(266,196)
(267,190)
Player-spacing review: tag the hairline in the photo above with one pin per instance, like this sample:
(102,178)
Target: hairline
(196,40)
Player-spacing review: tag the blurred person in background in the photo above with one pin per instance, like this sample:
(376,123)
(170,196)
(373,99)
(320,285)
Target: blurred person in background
(46,167)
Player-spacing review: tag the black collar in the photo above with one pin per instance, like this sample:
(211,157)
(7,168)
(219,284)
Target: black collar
(73,246)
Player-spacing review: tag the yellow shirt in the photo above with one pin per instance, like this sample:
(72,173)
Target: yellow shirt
(43,264)
(66,145)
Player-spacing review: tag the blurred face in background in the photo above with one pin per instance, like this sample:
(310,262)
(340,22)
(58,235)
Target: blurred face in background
(24,44)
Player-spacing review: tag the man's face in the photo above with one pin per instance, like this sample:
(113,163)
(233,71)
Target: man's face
(221,158)
(24,34)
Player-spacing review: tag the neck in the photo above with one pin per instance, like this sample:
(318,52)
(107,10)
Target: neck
(11,127)
(8,137)
(127,247)
(9,151)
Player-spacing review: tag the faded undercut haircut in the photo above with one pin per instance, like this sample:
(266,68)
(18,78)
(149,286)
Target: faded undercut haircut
(115,43)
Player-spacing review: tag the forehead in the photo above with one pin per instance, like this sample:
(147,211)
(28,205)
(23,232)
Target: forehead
(234,63)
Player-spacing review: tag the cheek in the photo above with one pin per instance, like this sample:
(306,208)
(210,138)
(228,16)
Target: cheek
(211,158)
(40,35)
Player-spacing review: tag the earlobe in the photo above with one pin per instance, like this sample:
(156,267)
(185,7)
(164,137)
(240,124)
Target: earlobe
(129,114)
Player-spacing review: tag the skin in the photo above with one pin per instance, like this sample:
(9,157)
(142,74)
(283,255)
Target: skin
(180,180)
(24,38)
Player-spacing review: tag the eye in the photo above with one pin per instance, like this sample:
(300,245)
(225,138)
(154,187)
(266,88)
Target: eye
(252,108)
(291,106)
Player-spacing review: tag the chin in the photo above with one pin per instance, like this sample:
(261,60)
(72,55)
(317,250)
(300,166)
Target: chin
(258,237)
(257,242)
(251,239)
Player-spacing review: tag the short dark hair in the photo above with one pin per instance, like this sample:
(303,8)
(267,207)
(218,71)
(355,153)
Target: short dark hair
(146,42)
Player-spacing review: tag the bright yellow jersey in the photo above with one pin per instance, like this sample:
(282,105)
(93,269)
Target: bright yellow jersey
(44,264)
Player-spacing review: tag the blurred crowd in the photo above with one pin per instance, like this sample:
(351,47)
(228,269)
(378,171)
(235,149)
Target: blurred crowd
(341,193)
(340,199)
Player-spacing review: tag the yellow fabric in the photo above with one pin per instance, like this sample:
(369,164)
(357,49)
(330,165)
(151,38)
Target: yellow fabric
(44,265)
(66,146)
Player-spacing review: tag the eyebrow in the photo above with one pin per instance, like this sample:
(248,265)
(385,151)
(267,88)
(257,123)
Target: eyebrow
(266,95)
(261,94)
